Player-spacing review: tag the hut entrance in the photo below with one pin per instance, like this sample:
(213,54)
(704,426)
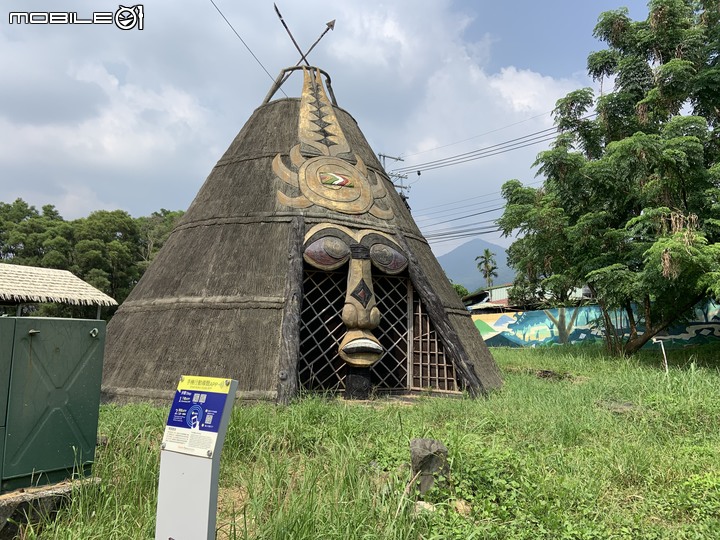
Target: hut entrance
(414,357)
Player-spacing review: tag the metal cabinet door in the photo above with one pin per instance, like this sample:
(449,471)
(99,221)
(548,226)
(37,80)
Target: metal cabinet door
(7,337)
(54,395)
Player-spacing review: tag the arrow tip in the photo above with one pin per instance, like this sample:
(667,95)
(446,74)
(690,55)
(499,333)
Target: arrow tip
(331,25)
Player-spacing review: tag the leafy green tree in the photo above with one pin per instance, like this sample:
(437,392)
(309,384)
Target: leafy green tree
(487,265)
(460,290)
(108,252)
(630,204)
(34,238)
(154,231)
(108,249)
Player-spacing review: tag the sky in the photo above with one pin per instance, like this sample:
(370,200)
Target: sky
(93,117)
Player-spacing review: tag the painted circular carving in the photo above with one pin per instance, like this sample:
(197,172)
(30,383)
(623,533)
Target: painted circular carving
(333,183)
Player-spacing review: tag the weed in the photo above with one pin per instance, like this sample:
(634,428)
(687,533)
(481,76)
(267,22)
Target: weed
(613,449)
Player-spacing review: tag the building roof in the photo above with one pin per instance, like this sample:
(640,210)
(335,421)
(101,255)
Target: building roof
(25,284)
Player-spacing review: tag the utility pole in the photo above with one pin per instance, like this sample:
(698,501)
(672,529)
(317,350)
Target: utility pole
(395,176)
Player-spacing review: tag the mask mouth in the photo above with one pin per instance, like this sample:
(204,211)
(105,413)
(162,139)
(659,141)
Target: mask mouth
(360,348)
(363,345)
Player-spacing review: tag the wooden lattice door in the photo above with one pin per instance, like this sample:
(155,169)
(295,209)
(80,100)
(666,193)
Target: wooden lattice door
(414,356)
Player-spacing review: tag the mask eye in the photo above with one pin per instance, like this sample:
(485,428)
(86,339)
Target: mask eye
(327,253)
(388,259)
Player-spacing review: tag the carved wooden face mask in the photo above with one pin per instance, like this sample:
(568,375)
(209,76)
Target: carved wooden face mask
(328,247)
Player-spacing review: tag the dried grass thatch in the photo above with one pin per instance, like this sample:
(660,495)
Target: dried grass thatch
(29,284)
(222,296)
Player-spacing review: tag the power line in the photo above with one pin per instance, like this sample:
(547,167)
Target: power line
(456,202)
(490,154)
(500,148)
(513,144)
(480,150)
(470,215)
(246,45)
(421,217)
(455,228)
(476,136)
(469,233)
(462,233)
(425,217)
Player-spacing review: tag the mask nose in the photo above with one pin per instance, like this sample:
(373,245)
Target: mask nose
(360,310)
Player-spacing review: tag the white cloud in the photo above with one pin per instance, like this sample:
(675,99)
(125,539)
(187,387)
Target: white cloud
(529,92)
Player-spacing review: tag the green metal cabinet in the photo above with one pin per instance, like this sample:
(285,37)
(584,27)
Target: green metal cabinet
(50,374)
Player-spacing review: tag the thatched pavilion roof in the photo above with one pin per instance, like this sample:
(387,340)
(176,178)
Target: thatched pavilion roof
(29,284)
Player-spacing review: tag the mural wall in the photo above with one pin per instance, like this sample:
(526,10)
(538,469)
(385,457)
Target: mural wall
(583,325)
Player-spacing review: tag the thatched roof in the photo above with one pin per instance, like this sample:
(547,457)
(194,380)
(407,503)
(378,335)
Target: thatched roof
(222,297)
(29,284)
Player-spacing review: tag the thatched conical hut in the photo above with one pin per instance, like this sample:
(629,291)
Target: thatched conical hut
(296,266)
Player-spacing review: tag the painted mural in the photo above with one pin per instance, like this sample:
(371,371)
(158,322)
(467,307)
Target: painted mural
(583,325)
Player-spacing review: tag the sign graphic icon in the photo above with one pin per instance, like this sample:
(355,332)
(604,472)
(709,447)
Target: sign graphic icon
(193,418)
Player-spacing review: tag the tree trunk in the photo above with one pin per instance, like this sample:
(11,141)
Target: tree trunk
(631,321)
(613,342)
(634,345)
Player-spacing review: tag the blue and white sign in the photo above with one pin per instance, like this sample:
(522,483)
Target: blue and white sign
(190,458)
(195,416)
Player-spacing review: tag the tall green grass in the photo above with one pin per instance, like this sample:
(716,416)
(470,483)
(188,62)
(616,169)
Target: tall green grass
(575,445)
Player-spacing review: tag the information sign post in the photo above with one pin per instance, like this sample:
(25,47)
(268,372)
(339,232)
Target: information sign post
(190,458)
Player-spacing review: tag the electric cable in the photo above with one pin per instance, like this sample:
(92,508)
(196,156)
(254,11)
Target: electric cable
(495,149)
(425,217)
(462,234)
(246,45)
(498,152)
(473,198)
(432,231)
(477,136)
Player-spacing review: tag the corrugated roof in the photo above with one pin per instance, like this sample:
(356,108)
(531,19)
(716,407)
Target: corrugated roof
(22,284)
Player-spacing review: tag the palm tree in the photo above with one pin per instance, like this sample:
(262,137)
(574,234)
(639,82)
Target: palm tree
(487,265)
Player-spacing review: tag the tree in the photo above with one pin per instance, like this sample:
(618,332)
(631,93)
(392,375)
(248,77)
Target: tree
(460,290)
(154,231)
(108,249)
(487,265)
(34,238)
(630,203)
(108,252)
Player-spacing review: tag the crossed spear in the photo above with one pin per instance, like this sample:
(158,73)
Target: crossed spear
(303,56)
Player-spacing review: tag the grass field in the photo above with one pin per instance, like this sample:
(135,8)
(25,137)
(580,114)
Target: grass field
(575,445)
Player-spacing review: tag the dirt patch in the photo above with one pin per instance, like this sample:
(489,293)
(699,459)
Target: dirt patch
(231,499)
(552,375)
(618,407)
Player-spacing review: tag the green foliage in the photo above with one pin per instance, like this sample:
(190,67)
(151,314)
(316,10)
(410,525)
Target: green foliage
(154,231)
(460,290)
(108,249)
(630,201)
(613,449)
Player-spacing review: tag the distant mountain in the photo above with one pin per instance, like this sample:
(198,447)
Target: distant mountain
(460,266)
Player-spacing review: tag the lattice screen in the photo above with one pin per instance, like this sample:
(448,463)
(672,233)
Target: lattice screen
(431,367)
(404,334)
